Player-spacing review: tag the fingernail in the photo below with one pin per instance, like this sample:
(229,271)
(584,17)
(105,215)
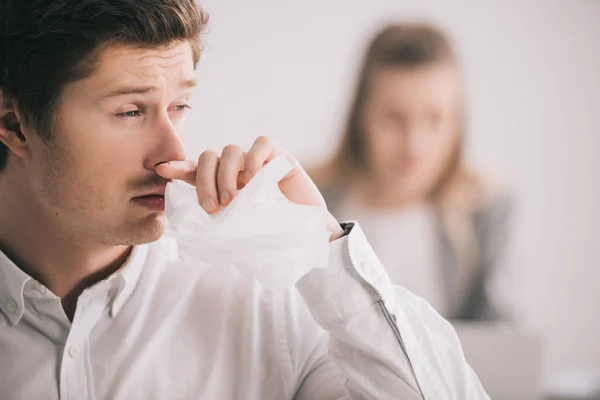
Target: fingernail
(225,197)
(247,176)
(208,203)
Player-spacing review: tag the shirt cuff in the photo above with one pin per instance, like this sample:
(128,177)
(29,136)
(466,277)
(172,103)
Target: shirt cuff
(353,280)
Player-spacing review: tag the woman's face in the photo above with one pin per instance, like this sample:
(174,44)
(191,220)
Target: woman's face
(411,125)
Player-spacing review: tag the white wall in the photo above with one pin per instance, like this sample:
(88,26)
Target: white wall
(286,68)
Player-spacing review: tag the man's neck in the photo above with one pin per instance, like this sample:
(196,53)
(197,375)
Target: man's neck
(65,265)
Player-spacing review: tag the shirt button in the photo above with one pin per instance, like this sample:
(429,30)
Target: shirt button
(368,269)
(73,351)
(11,306)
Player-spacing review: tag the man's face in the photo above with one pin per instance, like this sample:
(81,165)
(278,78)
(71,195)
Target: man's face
(112,129)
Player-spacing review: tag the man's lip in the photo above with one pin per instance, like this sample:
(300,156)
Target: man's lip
(155,192)
(150,195)
(151,202)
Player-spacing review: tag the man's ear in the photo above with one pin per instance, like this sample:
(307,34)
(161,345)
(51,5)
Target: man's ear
(11,134)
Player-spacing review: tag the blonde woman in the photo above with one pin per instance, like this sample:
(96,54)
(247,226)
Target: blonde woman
(438,226)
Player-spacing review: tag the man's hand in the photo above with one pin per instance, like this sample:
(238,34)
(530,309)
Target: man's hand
(219,178)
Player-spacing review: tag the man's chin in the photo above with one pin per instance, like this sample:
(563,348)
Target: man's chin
(149,230)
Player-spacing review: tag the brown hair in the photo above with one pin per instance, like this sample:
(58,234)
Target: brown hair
(46,44)
(458,191)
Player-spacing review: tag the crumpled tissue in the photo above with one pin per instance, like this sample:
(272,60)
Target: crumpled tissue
(261,232)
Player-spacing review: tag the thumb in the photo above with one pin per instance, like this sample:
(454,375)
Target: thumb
(182,170)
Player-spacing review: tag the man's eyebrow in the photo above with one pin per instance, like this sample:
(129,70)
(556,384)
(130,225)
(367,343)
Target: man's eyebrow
(129,90)
(188,83)
(121,91)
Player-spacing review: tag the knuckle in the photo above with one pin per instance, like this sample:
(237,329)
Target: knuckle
(225,182)
(205,184)
(231,149)
(208,155)
(262,140)
(252,164)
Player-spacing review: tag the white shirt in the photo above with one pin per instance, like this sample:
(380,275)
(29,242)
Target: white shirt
(155,330)
(406,242)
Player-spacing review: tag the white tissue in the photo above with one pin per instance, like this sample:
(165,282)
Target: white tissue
(261,232)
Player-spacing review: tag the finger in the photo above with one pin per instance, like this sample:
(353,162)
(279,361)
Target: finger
(260,153)
(232,162)
(182,170)
(206,181)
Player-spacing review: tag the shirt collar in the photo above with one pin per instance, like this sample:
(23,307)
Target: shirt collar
(12,284)
(127,278)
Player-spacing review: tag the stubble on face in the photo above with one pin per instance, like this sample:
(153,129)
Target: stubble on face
(98,159)
(81,207)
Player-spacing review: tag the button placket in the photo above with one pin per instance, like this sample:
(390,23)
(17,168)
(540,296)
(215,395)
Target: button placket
(73,351)
(75,366)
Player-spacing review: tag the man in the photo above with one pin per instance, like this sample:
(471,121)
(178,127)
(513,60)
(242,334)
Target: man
(92,305)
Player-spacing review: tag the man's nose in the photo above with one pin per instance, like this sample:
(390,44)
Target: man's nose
(168,145)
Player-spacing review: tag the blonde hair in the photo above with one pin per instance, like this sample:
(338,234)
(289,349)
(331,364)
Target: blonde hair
(459,191)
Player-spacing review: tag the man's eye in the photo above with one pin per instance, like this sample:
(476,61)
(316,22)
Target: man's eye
(181,107)
(132,113)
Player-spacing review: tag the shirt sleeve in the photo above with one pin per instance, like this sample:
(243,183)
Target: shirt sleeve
(385,342)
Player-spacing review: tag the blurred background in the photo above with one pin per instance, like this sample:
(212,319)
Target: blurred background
(531,72)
